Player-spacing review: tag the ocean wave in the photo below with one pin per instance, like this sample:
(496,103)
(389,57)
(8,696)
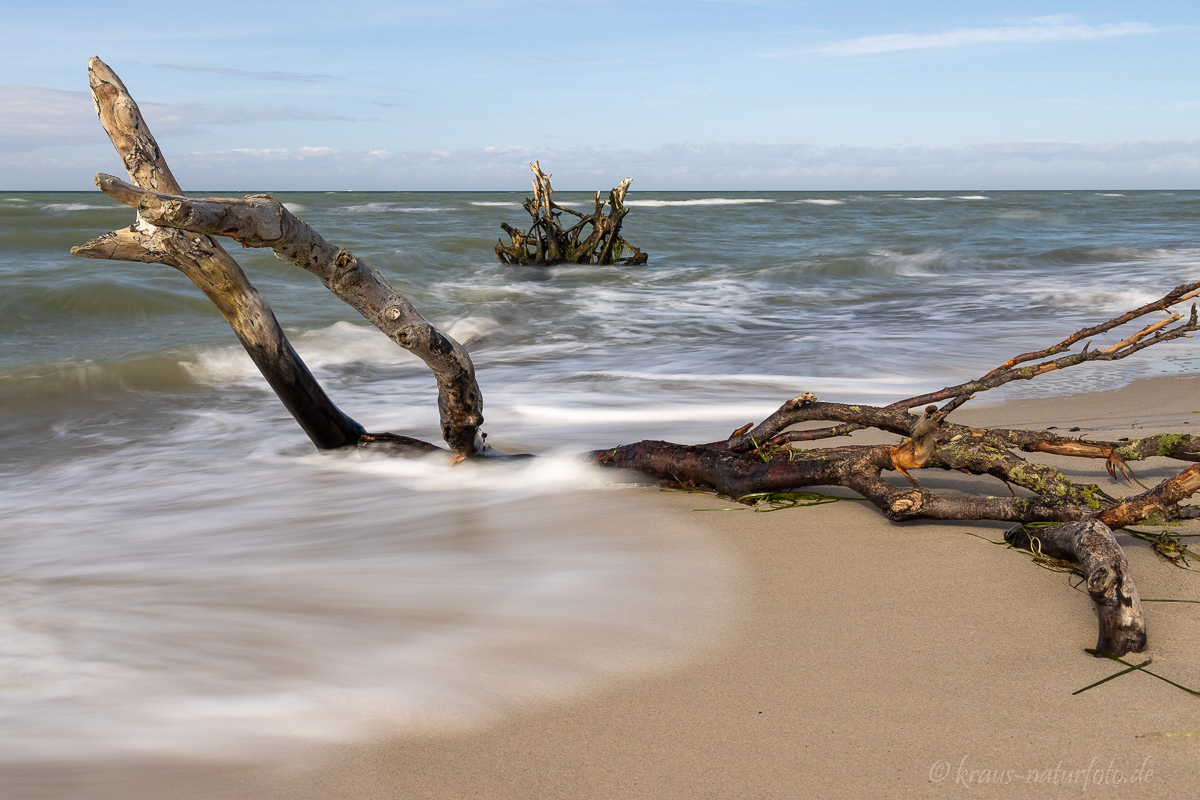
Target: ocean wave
(972,197)
(102,298)
(391,208)
(338,345)
(705,201)
(496,203)
(817,202)
(165,609)
(53,385)
(882,385)
(74,207)
(666,412)
(1079,256)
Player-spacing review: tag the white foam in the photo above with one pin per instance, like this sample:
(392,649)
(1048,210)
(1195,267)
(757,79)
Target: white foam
(336,345)
(391,208)
(185,607)
(706,201)
(471,329)
(74,207)
(819,202)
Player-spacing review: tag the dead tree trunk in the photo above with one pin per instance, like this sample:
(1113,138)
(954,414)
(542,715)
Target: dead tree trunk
(170,229)
(594,239)
(176,230)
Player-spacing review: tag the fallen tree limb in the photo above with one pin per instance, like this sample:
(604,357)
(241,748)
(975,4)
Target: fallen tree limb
(262,221)
(209,267)
(1091,545)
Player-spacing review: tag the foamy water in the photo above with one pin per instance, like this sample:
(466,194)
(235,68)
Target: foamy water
(192,607)
(181,576)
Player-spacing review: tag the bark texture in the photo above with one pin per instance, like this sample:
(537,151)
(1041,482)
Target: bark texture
(209,267)
(174,230)
(1091,545)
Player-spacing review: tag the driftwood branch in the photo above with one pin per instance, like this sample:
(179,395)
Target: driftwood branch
(262,221)
(209,267)
(1092,546)
(593,239)
(174,230)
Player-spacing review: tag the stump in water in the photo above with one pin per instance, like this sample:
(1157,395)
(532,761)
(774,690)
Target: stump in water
(594,239)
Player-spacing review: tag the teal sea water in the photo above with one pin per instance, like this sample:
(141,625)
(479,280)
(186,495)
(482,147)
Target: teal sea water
(181,575)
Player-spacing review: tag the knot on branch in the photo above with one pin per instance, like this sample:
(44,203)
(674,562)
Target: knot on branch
(906,505)
(803,401)
(593,238)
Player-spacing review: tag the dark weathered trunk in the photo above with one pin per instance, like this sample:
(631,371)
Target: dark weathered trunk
(1093,548)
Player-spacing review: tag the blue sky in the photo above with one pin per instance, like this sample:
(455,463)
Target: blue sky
(696,95)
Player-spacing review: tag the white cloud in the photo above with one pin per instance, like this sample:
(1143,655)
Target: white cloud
(35,117)
(1172,164)
(729,166)
(1039,30)
(262,75)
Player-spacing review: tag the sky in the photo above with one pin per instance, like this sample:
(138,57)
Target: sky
(694,95)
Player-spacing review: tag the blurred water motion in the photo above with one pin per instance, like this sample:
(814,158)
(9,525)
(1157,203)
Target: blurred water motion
(165,609)
(181,577)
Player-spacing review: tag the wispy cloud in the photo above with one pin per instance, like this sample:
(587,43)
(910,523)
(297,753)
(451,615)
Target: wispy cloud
(1025,165)
(268,75)
(36,117)
(1040,30)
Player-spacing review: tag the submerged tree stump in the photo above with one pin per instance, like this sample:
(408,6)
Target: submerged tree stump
(593,239)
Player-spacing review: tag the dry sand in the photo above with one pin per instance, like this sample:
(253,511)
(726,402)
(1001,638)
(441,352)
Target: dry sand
(871,660)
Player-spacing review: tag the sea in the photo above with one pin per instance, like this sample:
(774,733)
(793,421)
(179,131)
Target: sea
(183,576)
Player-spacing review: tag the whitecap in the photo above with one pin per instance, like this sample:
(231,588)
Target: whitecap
(818,202)
(74,207)
(705,201)
(236,616)
(644,413)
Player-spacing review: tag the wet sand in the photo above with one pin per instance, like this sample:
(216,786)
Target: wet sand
(869,659)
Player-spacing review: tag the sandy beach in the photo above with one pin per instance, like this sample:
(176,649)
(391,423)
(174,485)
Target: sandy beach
(868,659)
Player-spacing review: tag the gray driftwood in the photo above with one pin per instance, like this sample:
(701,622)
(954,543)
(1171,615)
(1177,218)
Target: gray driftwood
(1090,545)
